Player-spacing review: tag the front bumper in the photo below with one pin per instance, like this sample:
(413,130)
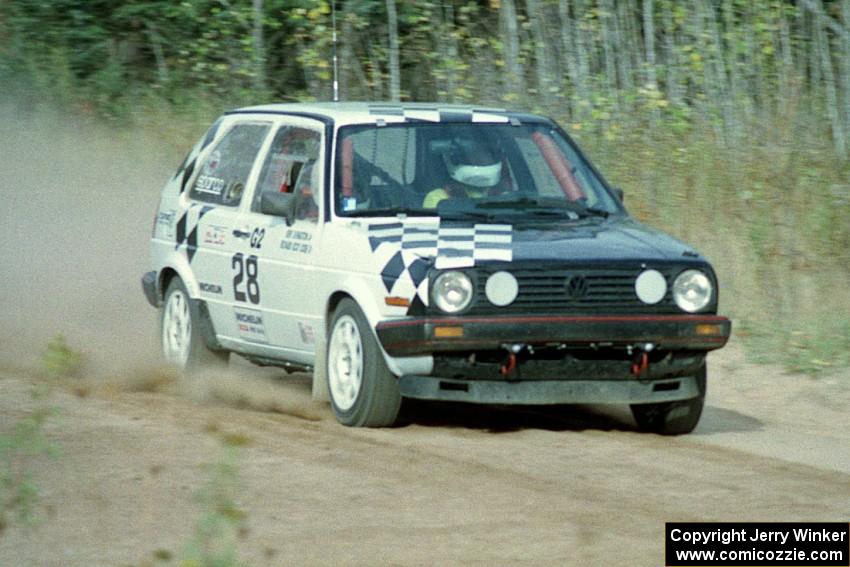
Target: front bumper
(428,335)
(546,392)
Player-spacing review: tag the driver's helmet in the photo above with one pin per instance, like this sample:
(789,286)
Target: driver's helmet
(472,161)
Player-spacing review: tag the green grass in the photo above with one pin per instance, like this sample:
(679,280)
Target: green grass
(222,523)
(19,494)
(770,209)
(60,360)
(772,213)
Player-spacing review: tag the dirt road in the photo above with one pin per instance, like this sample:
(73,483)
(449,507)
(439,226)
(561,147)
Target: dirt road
(452,485)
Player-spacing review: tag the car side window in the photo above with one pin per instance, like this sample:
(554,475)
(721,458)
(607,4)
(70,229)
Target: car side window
(288,168)
(225,171)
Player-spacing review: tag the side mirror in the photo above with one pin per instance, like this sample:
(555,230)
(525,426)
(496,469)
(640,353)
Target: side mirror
(279,205)
(618,191)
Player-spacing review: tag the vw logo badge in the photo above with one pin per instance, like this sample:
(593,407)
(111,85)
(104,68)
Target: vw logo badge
(576,287)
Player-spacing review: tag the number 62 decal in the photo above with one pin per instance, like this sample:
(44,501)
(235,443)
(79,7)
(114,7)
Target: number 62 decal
(247,271)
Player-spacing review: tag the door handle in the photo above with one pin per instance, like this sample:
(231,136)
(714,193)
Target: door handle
(240,233)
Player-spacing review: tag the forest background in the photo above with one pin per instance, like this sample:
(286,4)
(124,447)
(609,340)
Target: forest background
(726,122)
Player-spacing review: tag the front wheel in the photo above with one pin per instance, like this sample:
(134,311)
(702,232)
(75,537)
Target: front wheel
(363,392)
(181,340)
(672,418)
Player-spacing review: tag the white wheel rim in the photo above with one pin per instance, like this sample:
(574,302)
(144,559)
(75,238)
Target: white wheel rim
(345,363)
(176,329)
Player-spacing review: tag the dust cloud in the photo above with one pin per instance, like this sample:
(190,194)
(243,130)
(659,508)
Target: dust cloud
(78,205)
(78,199)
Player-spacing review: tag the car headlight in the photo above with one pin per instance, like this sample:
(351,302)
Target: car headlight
(452,291)
(692,290)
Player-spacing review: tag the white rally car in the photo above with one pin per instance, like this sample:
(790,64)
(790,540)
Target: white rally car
(427,251)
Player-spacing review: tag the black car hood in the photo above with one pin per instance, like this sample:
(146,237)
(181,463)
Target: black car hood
(595,239)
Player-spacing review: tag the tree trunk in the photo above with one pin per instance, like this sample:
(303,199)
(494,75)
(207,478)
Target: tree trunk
(569,41)
(156,47)
(672,60)
(511,47)
(583,57)
(606,15)
(259,49)
(358,86)
(376,74)
(649,43)
(845,63)
(649,49)
(822,46)
(395,70)
(541,52)
(722,96)
(623,50)
(786,74)
(452,49)
(816,8)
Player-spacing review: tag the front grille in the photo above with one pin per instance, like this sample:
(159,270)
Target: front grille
(570,289)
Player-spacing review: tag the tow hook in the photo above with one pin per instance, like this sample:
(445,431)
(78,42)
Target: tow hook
(640,359)
(509,365)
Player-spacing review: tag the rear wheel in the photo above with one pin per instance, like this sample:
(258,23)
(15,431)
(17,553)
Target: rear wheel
(181,340)
(672,418)
(363,392)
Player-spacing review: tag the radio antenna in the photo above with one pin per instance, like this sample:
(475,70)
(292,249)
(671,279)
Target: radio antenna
(336,71)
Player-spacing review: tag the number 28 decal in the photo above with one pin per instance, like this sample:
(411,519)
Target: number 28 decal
(247,270)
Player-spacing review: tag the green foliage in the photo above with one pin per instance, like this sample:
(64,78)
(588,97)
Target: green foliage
(60,360)
(773,219)
(726,123)
(18,492)
(222,522)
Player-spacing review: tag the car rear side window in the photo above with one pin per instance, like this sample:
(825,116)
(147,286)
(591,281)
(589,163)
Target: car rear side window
(225,170)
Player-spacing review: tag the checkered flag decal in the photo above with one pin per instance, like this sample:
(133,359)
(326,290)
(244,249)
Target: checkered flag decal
(187,228)
(464,247)
(414,242)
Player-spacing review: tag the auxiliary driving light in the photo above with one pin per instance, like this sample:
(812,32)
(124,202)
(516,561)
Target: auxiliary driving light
(651,286)
(501,289)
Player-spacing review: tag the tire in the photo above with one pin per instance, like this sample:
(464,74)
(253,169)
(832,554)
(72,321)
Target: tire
(672,418)
(363,392)
(180,336)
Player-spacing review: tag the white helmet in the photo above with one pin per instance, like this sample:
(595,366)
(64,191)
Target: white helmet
(472,163)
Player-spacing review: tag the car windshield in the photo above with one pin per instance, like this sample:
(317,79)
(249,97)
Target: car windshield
(467,170)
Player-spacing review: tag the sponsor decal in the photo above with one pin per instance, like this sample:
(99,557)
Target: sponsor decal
(297,241)
(249,323)
(213,161)
(215,235)
(209,185)
(210,288)
(167,220)
(308,337)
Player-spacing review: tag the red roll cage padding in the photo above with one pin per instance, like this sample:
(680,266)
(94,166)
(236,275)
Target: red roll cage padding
(347,167)
(559,166)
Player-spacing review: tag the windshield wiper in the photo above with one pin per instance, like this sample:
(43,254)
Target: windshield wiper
(466,214)
(553,206)
(392,212)
(596,212)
